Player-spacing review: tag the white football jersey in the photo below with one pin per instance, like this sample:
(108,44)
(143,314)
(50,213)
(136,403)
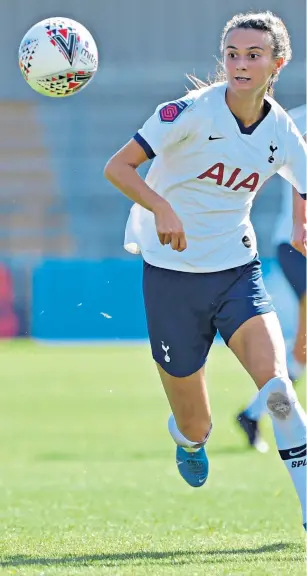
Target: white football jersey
(283,231)
(210,172)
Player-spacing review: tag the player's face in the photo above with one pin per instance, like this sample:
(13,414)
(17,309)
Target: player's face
(248,60)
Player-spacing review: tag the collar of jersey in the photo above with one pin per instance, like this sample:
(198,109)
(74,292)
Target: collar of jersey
(235,121)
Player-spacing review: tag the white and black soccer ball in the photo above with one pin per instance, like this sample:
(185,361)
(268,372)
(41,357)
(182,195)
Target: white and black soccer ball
(58,57)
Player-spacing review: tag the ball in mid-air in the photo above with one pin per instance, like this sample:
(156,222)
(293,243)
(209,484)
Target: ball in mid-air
(58,57)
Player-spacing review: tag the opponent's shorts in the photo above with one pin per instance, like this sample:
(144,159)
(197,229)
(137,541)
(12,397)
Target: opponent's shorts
(184,311)
(293,265)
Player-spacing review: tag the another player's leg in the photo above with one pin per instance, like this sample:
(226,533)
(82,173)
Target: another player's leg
(296,359)
(258,344)
(180,337)
(293,266)
(248,421)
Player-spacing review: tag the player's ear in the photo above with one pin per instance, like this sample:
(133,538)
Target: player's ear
(278,64)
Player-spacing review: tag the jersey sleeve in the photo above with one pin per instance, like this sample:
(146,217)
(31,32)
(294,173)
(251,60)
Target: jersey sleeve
(295,165)
(171,123)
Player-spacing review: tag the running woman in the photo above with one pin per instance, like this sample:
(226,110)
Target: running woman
(212,151)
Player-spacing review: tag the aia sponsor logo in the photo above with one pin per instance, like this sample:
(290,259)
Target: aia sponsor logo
(216,173)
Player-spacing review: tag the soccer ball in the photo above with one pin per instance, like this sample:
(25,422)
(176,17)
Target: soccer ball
(58,57)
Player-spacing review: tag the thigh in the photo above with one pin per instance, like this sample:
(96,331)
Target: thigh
(259,346)
(179,330)
(293,265)
(242,298)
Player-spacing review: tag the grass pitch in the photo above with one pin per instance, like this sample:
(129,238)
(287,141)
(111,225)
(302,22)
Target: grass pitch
(88,481)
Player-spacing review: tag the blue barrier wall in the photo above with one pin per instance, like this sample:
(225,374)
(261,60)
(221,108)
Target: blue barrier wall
(90,300)
(79,300)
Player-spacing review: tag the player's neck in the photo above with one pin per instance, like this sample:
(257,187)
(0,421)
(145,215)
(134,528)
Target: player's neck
(248,109)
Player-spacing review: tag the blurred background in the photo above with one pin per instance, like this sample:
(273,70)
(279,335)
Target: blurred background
(64,274)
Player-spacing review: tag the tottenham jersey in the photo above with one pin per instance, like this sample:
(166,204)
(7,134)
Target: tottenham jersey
(283,231)
(210,172)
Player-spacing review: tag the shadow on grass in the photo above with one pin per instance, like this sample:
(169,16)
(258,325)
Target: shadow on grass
(135,456)
(101,457)
(147,557)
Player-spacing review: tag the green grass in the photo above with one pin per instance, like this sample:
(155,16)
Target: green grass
(88,481)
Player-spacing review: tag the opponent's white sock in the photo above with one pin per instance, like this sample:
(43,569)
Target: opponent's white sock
(295,368)
(180,439)
(279,400)
(254,409)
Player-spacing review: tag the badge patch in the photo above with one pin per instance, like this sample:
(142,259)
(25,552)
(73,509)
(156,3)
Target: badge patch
(170,112)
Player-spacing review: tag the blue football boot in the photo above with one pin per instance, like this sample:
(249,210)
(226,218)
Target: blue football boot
(193,466)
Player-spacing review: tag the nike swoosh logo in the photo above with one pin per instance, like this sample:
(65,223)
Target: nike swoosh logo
(299,453)
(201,480)
(217,138)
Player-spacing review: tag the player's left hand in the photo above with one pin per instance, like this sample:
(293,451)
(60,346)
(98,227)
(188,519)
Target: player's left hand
(299,238)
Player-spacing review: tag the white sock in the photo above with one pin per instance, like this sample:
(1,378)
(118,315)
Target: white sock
(180,439)
(279,400)
(296,369)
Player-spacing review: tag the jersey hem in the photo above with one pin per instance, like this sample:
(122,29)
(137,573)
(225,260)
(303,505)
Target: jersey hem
(199,270)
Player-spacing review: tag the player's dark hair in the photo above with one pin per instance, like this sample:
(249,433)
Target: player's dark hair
(266,22)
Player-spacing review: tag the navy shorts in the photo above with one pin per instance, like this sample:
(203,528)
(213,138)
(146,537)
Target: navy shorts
(184,311)
(293,265)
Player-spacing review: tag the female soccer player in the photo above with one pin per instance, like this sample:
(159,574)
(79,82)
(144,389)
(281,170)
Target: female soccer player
(293,265)
(213,149)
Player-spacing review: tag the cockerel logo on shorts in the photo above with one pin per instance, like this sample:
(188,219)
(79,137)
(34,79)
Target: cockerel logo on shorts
(165,349)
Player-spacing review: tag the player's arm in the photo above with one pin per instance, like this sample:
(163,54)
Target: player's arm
(299,233)
(165,128)
(121,171)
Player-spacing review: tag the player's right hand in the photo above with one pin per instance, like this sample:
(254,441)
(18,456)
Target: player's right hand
(169,227)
